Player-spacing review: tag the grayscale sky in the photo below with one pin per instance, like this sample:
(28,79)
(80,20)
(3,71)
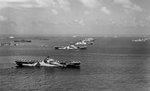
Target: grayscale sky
(75,17)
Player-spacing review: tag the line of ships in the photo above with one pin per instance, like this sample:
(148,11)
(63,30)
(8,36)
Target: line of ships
(49,62)
(77,45)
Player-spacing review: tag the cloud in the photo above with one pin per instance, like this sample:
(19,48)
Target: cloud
(122,1)
(64,4)
(86,12)
(61,4)
(54,4)
(55,12)
(16,3)
(26,5)
(42,3)
(149,18)
(80,22)
(133,7)
(128,4)
(2,18)
(105,10)
(89,3)
(14,0)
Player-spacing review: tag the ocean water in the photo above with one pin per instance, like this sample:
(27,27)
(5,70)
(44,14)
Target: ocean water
(111,64)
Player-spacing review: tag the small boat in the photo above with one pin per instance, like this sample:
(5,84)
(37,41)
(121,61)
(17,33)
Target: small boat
(71,64)
(82,47)
(48,62)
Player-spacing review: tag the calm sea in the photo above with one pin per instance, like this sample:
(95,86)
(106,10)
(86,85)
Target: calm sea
(111,64)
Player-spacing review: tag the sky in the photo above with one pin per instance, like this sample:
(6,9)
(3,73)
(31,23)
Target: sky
(75,17)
